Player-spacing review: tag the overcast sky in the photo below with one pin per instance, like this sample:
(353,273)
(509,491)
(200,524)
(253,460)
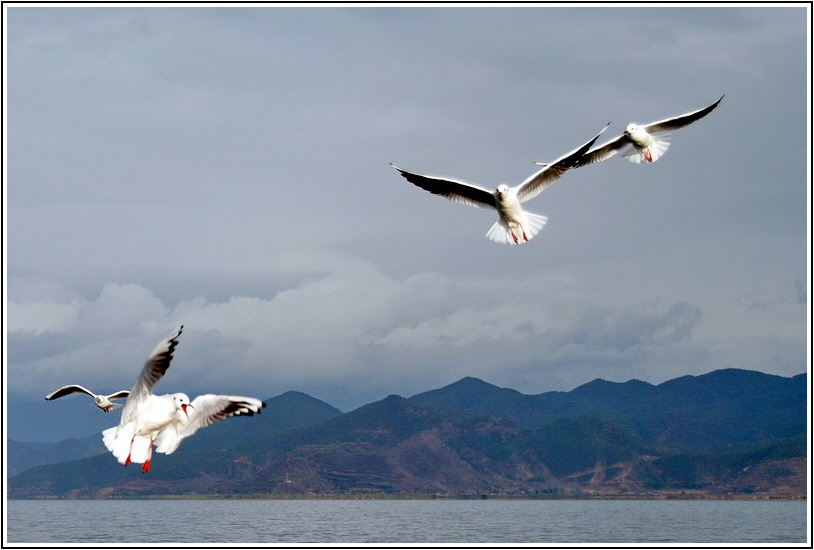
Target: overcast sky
(227,169)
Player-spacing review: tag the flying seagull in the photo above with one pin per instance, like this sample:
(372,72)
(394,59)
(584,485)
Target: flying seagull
(514,225)
(163,421)
(104,402)
(644,143)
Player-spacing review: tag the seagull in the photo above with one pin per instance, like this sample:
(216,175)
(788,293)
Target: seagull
(514,225)
(648,142)
(163,421)
(102,401)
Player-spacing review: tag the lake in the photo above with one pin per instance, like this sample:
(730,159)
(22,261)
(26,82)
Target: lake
(406,521)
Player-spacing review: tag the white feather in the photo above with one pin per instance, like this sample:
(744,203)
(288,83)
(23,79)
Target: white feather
(657,148)
(501,233)
(117,440)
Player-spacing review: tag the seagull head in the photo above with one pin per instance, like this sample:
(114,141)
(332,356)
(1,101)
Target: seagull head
(632,128)
(502,190)
(182,402)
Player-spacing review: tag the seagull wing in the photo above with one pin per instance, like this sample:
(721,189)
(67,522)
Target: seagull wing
(153,370)
(121,394)
(157,364)
(552,171)
(66,390)
(604,151)
(680,120)
(457,191)
(204,411)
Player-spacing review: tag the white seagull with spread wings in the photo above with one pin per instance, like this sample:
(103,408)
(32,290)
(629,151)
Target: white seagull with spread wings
(163,421)
(515,225)
(104,402)
(647,142)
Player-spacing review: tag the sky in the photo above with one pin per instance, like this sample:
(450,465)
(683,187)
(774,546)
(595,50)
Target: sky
(228,168)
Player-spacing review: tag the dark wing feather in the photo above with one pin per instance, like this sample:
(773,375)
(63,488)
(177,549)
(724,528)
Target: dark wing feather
(67,390)
(682,120)
(604,151)
(456,191)
(553,171)
(121,394)
(157,364)
(210,408)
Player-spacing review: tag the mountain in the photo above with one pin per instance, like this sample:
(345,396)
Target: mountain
(286,411)
(472,439)
(21,456)
(711,412)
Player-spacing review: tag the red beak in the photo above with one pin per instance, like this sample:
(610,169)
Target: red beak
(184,408)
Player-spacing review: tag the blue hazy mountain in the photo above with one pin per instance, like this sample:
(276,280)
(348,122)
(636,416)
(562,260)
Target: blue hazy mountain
(723,432)
(703,413)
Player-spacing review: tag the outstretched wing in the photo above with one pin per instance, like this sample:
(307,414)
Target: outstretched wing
(66,390)
(121,394)
(204,411)
(553,171)
(210,408)
(154,368)
(604,151)
(157,364)
(457,191)
(681,120)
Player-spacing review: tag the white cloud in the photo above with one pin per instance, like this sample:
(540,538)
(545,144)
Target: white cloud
(39,317)
(119,309)
(123,309)
(352,327)
(36,306)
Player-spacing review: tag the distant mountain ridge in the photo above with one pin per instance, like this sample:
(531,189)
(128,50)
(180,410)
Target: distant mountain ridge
(286,411)
(692,413)
(21,456)
(728,431)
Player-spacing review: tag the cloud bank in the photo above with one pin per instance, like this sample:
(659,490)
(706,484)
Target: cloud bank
(356,331)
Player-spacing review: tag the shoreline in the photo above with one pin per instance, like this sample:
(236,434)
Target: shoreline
(377,496)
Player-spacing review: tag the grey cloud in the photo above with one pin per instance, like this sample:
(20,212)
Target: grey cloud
(334,327)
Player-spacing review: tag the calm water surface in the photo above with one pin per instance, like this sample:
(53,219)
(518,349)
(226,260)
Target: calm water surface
(405,521)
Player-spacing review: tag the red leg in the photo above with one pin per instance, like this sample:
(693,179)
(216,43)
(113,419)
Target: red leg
(126,462)
(146,466)
(514,237)
(647,154)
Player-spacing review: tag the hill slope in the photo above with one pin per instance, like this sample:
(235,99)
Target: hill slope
(471,438)
(711,412)
(286,411)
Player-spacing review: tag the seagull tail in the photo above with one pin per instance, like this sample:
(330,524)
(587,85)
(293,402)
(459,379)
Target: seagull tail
(534,224)
(117,440)
(140,452)
(655,150)
(120,441)
(500,232)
